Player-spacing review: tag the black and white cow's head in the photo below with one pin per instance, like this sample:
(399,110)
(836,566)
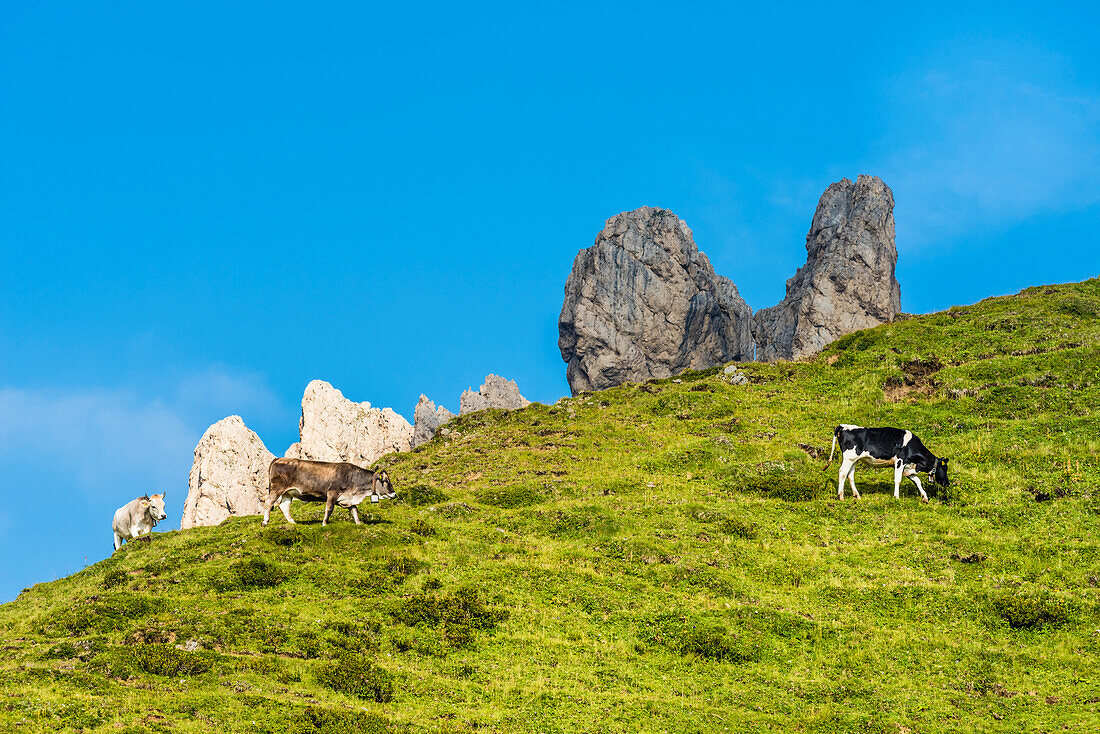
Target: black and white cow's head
(154,507)
(382,488)
(938,473)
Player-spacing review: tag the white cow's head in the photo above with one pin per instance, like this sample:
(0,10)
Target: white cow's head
(154,506)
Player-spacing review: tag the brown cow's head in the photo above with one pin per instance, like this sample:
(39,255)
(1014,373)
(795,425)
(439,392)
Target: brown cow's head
(382,489)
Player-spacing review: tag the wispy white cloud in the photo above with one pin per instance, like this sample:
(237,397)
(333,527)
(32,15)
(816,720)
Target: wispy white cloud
(984,140)
(98,439)
(221,391)
(71,456)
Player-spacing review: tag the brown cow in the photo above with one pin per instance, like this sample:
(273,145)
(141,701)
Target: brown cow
(321,481)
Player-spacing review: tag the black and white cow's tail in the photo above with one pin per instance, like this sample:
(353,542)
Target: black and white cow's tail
(836,433)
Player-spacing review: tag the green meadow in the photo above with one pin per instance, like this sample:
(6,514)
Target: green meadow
(659,557)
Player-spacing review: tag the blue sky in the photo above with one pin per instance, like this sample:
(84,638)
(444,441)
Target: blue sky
(204,207)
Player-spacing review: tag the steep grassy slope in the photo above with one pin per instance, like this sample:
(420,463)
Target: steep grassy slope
(661,557)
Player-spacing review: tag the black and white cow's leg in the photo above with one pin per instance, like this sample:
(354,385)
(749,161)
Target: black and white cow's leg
(355,515)
(911,472)
(329,504)
(899,469)
(847,473)
(842,476)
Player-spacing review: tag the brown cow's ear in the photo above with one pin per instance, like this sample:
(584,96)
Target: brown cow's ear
(145,503)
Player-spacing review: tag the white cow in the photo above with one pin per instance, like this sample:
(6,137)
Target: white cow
(138,517)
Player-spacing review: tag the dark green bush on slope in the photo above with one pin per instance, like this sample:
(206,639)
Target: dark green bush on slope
(255,572)
(459,616)
(328,721)
(356,675)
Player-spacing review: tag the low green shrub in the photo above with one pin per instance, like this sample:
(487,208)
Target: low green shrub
(330,721)
(418,495)
(64,650)
(114,577)
(356,675)
(354,636)
(159,659)
(458,616)
(285,536)
(582,522)
(789,486)
(422,529)
(511,497)
(110,612)
(1031,611)
(738,528)
(680,634)
(254,572)
(405,566)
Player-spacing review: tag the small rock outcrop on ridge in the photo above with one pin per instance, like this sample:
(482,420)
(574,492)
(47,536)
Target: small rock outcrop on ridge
(496,392)
(228,476)
(847,283)
(427,419)
(333,428)
(643,302)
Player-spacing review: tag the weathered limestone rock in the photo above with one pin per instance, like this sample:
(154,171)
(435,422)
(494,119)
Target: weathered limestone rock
(427,419)
(333,428)
(496,392)
(847,283)
(643,302)
(228,476)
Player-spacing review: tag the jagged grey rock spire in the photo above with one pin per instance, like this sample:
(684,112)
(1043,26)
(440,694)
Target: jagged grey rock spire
(848,281)
(643,302)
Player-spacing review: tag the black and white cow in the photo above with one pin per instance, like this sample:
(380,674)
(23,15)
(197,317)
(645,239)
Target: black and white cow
(880,447)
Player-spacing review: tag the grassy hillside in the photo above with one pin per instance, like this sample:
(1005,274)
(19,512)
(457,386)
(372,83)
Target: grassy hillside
(660,557)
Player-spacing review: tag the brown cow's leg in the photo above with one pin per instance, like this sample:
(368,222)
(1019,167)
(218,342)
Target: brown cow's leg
(274,489)
(355,515)
(284,506)
(268,504)
(328,508)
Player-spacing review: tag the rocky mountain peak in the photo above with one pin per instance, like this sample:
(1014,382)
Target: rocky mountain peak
(643,302)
